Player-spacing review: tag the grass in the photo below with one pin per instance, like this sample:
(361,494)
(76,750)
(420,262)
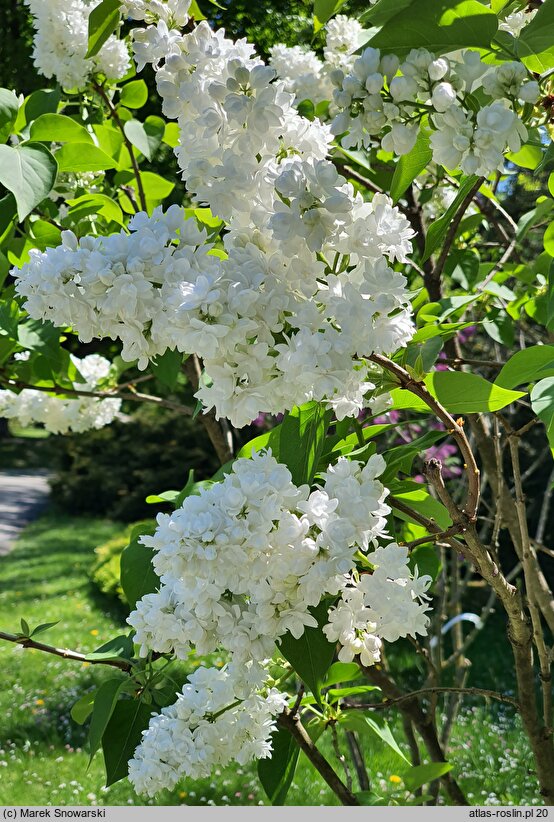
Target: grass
(42,760)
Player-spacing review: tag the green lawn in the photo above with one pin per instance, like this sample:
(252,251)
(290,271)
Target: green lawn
(41,757)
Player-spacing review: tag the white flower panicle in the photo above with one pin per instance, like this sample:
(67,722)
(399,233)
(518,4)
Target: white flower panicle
(211,724)
(240,565)
(61,43)
(381,100)
(273,331)
(60,416)
(305,292)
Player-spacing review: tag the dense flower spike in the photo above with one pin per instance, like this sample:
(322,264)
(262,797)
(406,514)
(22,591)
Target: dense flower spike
(61,43)
(242,562)
(59,416)
(211,724)
(240,565)
(382,101)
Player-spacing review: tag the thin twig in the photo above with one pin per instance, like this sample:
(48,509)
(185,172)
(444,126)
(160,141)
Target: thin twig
(530,561)
(387,703)
(454,427)
(133,396)
(26,642)
(452,229)
(115,117)
(217,431)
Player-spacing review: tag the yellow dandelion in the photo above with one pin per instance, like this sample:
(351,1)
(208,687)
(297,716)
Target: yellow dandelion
(94,632)
(86,664)
(39,701)
(395,779)
(182,794)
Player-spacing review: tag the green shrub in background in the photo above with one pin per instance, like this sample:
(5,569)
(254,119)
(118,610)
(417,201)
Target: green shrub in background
(111,472)
(105,573)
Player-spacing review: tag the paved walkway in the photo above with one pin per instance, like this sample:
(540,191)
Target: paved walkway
(22,497)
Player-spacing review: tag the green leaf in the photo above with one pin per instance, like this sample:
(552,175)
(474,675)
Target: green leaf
(83,157)
(82,709)
(120,647)
(277,772)
(134,94)
(37,103)
(311,654)
(401,458)
(462,393)
(104,705)
(459,392)
(437,229)
(422,774)
(542,403)
(410,165)
(89,205)
(548,240)
(29,171)
(426,559)
(375,724)
(341,672)
(526,366)
(102,22)
(334,694)
(25,630)
(44,626)
(535,45)
(419,499)
(171,135)
(271,439)
(167,367)
(9,106)
(59,128)
(324,10)
(136,133)
(122,735)
(437,25)
(302,438)
(45,234)
(137,573)
(547,161)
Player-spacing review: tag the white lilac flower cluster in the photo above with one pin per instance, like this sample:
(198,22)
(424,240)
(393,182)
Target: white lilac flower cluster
(305,291)
(60,416)
(61,43)
(383,100)
(211,724)
(308,77)
(240,565)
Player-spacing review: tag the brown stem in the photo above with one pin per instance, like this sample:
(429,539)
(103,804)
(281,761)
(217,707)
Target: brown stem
(218,433)
(293,724)
(454,427)
(357,757)
(529,561)
(433,282)
(129,146)
(133,396)
(26,642)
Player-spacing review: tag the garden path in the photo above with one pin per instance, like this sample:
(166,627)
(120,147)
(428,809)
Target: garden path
(23,495)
